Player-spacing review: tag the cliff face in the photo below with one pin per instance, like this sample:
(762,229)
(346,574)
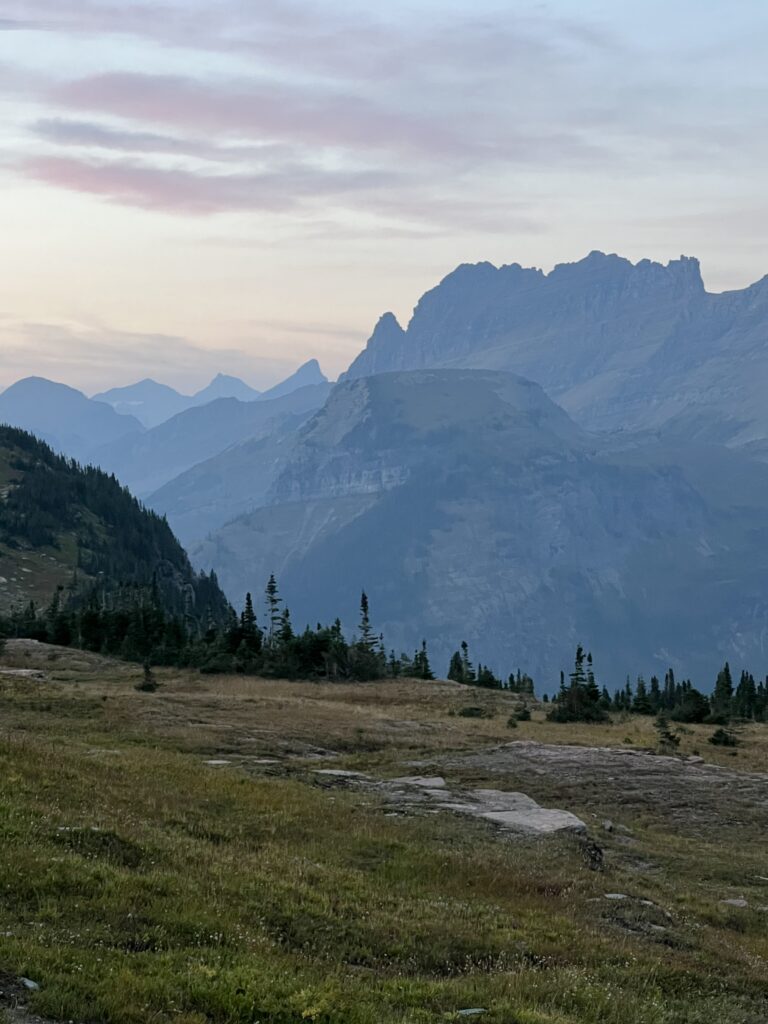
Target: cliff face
(469,506)
(619,346)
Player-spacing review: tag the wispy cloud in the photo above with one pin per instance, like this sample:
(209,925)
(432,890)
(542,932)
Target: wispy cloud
(259,109)
(92,135)
(181,191)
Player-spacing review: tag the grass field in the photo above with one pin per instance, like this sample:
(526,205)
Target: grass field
(139,883)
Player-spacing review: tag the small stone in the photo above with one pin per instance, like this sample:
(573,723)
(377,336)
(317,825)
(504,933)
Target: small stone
(608,825)
(217,763)
(474,1011)
(740,903)
(616,896)
(32,986)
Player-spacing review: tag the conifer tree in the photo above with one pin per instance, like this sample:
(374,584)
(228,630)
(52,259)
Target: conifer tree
(367,639)
(456,668)
(421,666)
(273,607)
(466,665)
(641,705)
(723,695)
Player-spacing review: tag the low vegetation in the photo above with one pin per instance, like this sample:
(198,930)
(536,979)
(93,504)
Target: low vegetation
(175,856)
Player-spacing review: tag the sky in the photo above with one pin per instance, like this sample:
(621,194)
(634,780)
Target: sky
(195,186)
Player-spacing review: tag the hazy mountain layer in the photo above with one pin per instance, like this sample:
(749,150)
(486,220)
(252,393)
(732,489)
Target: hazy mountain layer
(147,462)
(151,403)
(619,346)
(64,417)
(471,507)
(308,374)
(235,481)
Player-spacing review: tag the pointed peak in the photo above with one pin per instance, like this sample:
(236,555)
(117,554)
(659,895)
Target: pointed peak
(387,322)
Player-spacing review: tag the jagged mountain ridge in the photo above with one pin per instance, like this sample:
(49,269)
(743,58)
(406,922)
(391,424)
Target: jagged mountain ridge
(470,506)
(619,345)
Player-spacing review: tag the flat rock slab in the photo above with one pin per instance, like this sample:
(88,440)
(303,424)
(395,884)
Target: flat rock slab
(511,811)
(686,794)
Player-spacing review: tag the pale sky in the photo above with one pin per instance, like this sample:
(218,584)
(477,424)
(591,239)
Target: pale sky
(188,186)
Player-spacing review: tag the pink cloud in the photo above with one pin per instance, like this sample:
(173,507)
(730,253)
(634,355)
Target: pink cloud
(185,192)
(257,112)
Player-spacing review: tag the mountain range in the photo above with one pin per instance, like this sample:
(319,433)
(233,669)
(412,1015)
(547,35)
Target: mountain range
(152,403)
(621,500)
(619,346)
(91,429)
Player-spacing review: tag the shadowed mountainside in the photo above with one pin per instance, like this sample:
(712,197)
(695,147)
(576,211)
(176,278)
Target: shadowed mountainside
(470,506)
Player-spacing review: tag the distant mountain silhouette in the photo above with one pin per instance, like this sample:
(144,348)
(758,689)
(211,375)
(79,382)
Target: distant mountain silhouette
(151,403)
(307,374)
(71,423)
(619,346)
(224,386)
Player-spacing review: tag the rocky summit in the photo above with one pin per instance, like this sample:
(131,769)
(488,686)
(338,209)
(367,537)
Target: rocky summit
(619,345)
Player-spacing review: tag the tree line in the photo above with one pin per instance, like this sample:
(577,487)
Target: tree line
(133,623)
(461,670)
(581,699)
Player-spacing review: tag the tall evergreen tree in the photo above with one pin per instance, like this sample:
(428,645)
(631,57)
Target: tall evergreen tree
(723,694)
(274,601)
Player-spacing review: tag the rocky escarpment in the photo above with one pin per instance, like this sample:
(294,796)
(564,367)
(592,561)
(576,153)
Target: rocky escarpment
(618,345)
